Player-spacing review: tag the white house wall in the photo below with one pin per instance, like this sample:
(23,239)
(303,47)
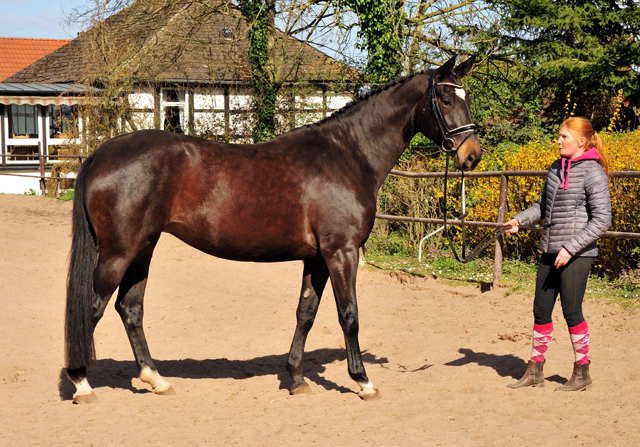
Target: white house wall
(239,101)
(142,100)
(310,102)
(213,100)
(143,120)
(211,110)
(335,102)
(209,123)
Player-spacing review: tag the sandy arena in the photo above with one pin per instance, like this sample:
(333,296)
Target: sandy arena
(220,332)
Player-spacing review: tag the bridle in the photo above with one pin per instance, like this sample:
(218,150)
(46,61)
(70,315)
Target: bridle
(449,148)
(448,145)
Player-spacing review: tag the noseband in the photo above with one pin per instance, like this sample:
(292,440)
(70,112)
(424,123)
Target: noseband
(446,133)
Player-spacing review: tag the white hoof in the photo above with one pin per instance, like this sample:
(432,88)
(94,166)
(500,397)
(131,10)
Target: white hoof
(90,398)
(84,393)
(368,391)
(158,384)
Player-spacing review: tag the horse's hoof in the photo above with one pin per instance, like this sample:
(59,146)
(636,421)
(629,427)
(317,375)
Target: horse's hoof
(301,389)
(165,390)
(90,398)
(370,394)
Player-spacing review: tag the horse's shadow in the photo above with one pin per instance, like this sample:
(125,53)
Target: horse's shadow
(505,365)
(118,373)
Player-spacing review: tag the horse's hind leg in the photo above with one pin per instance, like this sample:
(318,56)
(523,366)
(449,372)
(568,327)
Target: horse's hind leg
(107,274)
(130,307)
(343,266)
(313,282)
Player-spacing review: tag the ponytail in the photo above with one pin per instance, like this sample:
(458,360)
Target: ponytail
(599,145)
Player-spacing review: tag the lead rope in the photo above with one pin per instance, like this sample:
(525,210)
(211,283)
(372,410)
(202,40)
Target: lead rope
(463,259)
(484,243)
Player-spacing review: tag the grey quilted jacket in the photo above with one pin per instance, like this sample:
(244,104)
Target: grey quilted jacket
(581,213)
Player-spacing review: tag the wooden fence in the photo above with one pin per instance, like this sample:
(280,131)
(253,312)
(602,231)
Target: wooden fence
(42,161)
(502,206)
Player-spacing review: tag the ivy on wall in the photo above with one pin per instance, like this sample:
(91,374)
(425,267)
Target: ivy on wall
(378,27)
(260,16)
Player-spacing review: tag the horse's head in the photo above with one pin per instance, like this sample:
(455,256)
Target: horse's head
(446,116)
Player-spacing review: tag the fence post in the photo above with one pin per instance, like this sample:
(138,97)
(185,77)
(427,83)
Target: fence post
(502,214)
(43,186)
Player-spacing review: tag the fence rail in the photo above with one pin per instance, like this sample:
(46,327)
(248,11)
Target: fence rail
(42,159)
(502,206)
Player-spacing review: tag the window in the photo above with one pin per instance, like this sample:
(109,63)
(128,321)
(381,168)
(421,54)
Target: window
(172,119)
(23,121)
(21,151)
(172,95)
(61,120)
(174,107)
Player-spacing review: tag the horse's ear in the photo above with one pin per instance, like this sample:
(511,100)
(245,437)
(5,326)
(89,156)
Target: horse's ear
(465,67)
(445,68)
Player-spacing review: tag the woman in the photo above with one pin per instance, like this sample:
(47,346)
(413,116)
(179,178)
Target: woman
(575,202)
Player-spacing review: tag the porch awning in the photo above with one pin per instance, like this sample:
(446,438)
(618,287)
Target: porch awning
(42,100)
(41,94)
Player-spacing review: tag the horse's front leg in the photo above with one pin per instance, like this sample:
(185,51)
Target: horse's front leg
(314,280)
(343,268)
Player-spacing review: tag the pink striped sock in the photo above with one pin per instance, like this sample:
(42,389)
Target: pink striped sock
(580,340)
(542,335)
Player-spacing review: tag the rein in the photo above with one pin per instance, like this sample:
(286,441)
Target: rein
(449,147)
(484,243)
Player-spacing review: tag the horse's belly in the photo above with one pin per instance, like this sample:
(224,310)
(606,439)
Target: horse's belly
(244,241)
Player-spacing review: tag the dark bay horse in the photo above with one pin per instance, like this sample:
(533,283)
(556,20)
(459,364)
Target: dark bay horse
(309,195)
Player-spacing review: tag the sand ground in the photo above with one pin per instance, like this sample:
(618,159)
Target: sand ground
(220,331)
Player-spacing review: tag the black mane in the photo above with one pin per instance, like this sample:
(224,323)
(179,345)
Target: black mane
(365,97)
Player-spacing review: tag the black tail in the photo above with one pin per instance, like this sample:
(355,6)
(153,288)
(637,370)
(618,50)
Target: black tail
(79,348)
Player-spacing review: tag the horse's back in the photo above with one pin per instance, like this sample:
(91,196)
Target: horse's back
(244,202)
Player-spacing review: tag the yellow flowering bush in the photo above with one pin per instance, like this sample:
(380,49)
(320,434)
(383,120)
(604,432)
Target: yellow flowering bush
(623,154)
(423,198)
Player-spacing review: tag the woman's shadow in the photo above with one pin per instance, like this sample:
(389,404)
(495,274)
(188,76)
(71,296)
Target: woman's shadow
(118,373)
(505,365)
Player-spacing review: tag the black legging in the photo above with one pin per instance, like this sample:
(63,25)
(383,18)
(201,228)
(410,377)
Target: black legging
(570,281)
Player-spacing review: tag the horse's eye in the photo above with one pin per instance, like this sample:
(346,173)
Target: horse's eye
(446,102)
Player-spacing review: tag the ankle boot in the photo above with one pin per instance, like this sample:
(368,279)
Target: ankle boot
(580,379)
(532,377)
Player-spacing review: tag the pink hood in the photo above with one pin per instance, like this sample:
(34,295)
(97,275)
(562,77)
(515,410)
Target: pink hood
(591,154)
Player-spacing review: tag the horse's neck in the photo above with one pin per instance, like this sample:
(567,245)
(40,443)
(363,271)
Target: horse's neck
(384,126)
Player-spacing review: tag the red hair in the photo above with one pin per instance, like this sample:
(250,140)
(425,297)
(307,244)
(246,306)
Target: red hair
(581,127)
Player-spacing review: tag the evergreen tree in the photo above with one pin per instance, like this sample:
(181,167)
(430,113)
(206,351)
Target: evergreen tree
(580,52)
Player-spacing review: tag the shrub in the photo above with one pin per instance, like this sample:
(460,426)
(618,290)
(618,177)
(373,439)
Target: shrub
(423,198)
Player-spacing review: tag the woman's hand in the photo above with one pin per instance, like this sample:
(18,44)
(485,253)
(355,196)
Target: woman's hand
(514,226)
(563,257)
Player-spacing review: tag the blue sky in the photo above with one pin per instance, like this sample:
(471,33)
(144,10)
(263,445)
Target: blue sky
(45,19)
(36,18)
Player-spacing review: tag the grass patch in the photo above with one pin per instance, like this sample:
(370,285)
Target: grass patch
(69,195)
(517,276)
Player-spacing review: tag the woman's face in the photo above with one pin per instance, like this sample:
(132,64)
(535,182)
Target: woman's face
(569,146)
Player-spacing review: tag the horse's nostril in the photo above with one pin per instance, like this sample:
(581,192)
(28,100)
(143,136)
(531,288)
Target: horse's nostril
(470,159)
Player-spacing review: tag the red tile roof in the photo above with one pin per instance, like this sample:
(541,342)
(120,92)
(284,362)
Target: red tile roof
(181,40)
(17,53)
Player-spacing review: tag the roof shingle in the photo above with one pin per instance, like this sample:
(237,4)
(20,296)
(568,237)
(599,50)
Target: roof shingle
(184,41)
(17,53)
